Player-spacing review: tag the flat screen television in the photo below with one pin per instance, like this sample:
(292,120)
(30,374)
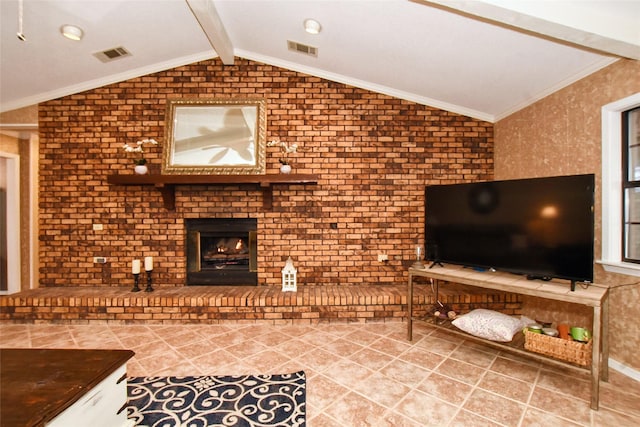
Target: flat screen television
(538,227)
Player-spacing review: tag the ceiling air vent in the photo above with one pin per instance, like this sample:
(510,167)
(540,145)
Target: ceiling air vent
(303,48)
(111,54)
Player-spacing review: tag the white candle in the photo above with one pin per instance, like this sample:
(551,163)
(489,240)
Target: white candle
(148,263)
(135,266)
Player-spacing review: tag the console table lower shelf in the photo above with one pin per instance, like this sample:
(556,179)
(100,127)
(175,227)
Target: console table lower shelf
(515,346)
(594,296)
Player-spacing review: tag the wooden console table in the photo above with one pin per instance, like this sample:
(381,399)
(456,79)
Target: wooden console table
(595,296)
(42,387)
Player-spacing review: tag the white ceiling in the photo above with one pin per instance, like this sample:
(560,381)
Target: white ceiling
(448,54)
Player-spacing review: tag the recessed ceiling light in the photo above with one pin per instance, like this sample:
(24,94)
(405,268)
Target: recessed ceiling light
(71,32)
(312,26)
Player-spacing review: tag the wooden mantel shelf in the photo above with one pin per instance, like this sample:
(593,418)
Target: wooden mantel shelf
(166,183)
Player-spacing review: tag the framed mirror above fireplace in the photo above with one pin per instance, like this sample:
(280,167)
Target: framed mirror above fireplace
(222,251)
(215,136)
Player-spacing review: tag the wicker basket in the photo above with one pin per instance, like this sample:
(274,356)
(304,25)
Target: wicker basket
(569,351)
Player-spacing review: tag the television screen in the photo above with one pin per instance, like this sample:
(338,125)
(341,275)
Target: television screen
(539,227)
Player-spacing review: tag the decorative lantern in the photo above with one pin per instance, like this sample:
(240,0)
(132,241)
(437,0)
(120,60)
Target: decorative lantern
(289,277)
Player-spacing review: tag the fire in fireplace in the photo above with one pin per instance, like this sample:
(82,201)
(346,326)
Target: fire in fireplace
(221,251)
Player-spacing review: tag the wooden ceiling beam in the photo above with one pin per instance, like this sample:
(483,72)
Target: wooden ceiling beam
(210,22)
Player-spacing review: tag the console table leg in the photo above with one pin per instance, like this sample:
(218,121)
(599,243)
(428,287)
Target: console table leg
(604,375)
(410,308)
(596,358)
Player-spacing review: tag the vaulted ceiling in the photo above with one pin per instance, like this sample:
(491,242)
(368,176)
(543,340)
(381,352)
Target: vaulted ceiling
(486,59)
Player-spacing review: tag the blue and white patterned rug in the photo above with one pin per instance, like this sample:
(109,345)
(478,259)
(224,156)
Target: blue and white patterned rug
(243,401)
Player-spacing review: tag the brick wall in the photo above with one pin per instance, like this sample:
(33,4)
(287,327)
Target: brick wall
(373,154)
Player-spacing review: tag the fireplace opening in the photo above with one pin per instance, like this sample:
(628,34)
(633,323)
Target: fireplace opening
(221,251)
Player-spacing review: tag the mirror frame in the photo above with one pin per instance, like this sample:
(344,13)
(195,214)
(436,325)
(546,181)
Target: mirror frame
(217,109)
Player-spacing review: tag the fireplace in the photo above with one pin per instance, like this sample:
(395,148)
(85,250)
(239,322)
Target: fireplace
(221,251)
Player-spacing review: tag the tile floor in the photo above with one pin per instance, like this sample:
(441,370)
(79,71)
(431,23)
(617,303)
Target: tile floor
(363,374)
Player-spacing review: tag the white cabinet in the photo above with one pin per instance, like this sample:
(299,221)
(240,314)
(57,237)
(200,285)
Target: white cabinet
(99,406)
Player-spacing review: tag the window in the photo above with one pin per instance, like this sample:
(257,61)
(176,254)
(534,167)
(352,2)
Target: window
(631,184)
(620,204)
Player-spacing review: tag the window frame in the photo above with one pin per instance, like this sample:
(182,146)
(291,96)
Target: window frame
(627,182)
(612,187)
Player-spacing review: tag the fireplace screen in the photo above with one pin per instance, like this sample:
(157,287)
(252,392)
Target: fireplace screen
(221,252)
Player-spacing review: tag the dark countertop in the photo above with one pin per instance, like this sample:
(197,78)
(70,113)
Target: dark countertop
(36,385)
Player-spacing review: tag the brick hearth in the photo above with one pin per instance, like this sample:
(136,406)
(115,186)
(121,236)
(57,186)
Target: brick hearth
(311,304)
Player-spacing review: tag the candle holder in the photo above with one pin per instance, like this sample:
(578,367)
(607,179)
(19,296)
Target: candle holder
(149,288)
(136,281)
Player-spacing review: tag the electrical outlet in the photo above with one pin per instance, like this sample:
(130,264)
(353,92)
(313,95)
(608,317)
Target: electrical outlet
(99,260)
(383,258)
(98,227)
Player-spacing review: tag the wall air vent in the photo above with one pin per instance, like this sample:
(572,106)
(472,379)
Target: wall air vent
(302,48)
(112,54)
